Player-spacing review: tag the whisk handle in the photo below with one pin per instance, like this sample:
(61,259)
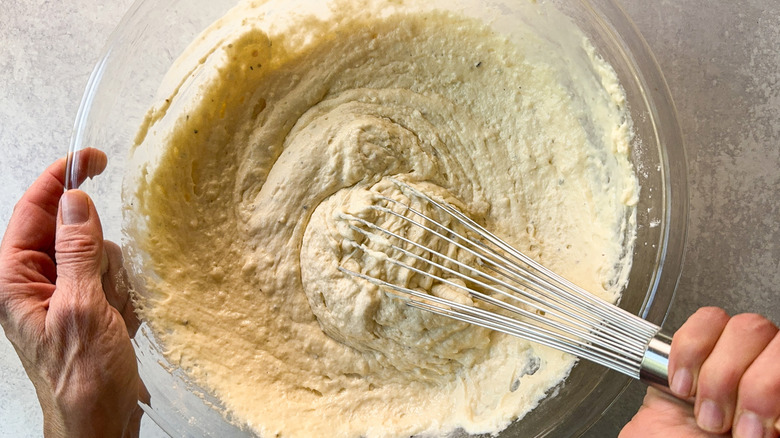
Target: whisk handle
(654,369)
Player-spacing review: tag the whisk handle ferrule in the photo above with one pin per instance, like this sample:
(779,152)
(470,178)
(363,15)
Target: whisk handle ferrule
(654,369)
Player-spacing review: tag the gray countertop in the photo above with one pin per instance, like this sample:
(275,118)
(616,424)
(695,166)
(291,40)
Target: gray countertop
(722,62)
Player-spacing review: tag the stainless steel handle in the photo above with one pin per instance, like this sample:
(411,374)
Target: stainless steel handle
(654,369)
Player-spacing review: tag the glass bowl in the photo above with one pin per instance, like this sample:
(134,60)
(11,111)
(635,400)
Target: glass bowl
(154,33)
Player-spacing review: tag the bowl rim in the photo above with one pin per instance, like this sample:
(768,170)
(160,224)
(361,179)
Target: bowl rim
(656,93)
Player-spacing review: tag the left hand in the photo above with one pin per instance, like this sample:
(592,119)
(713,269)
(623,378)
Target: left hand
(56,296)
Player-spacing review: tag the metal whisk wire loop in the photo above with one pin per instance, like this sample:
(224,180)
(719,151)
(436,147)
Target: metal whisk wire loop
(521,297)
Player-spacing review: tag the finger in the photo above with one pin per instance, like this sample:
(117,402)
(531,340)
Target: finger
(758,399)
(84,163)
(117,286)
(143,393)
(663,416)
(657,399)
(133,429)
(78,252)
(741,342)
(691,346)
(28,271)
(135,420)
(33,222)
(114,283)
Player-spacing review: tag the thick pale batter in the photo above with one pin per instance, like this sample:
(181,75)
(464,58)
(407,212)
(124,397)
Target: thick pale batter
(245,169)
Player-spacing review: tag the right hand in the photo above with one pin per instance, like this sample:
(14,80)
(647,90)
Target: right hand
(730,368)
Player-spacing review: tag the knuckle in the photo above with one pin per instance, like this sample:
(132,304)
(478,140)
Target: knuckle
(758,386)
(79,306)
(112,247)
(689,344)
(761,383)
(711,313)
(81,246)
(18,206)
(690,348)
(752,323)
(718,379)
(689,339)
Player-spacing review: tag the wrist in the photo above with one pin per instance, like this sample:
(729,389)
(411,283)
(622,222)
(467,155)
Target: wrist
(89,418)
(85,426)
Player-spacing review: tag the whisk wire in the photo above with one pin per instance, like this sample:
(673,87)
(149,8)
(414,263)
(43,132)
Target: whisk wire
(493,321)
(532,333)
(597,314)
(599,345)
(560,315)
(552,310)
(571,290)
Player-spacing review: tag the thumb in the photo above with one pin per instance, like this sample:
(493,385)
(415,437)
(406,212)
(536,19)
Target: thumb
(78,244)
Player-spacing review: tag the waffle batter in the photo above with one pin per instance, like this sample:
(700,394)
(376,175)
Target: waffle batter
(287,121)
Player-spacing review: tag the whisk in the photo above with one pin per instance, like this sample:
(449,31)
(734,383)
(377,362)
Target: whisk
(538,304)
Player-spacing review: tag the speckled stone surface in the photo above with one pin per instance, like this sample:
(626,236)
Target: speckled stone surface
(722,62)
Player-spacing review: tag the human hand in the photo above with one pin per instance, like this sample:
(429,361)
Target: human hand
(58,282)
(729,368)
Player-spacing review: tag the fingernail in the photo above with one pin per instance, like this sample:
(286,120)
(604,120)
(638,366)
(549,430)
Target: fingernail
(75,207)
(710,416)
(749,426)
(682,381)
